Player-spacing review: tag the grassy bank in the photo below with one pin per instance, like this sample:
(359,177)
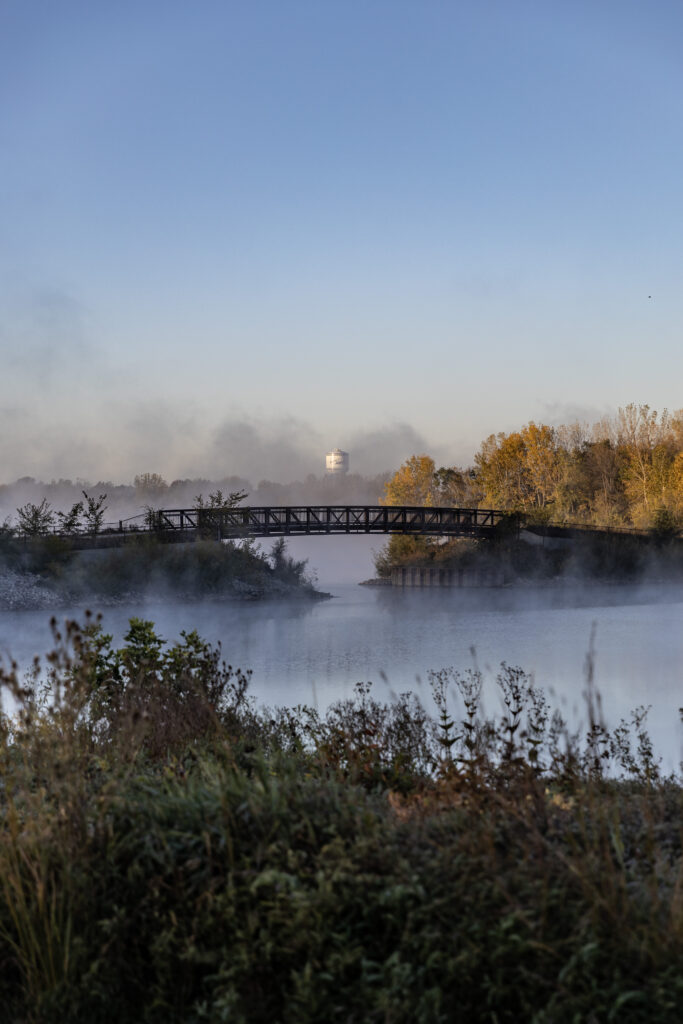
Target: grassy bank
(169,851)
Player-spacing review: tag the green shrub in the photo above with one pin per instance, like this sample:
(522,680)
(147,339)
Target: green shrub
(169,851)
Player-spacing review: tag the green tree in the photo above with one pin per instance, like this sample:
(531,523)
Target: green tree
(6,528)
(402,549)
(284,566)
(36,520)
(218,500)
(93,513)
(69,522)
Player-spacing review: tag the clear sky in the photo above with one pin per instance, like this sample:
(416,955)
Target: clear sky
(234,234)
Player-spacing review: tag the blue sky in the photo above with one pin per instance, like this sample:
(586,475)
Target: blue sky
(236,234)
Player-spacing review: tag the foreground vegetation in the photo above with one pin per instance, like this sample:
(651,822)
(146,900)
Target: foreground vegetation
(169,851)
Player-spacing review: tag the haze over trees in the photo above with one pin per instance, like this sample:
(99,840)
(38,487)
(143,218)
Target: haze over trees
(151,490)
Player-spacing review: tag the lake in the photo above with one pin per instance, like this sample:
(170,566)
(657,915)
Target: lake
(314,653)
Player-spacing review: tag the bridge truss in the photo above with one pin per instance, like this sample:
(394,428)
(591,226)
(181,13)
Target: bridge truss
(299,520)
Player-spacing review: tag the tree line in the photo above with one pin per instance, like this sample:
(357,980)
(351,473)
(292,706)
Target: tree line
(126,501)
(38,519)
(625,470)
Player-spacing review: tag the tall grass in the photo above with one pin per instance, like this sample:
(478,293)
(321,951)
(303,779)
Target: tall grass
(170,851)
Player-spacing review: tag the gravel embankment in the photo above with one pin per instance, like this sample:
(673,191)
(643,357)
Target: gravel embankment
(26,591)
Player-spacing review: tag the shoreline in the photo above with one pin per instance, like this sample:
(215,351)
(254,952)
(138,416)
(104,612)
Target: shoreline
(26,591)
(555,583)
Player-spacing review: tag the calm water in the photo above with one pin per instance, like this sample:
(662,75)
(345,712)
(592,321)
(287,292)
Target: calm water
(315,653)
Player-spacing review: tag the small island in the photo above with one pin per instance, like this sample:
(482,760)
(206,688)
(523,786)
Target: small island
(584,504)
(40,568)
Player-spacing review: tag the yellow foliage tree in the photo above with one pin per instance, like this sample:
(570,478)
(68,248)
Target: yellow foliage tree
(412,484)
(502,471)
(416,482)
(543,463)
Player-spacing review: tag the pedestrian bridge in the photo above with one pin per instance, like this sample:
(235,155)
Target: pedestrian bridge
(181,525)
(304,520)
(414,520)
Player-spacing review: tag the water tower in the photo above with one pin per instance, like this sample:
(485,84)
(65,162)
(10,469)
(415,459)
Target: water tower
(336,462)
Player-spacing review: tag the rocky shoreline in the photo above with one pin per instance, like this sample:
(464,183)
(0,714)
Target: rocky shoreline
(27,591)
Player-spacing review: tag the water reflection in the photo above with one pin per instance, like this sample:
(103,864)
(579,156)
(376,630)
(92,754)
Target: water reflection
(569,595)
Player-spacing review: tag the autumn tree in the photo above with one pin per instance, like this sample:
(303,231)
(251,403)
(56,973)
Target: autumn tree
(502,472)
(413,483)
(457,487)
(649,443)
(544,463)
(416,482)
(628,470)
(599,483)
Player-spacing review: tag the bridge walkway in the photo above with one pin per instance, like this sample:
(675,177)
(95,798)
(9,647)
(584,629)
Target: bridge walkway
(189,524)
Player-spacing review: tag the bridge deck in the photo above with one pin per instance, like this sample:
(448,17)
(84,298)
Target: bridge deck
(293,520)
(189,524)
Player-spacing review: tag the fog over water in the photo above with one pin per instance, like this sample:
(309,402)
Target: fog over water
(314,653)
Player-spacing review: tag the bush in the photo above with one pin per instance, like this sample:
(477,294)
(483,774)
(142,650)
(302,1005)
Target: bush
(204,568)
(171,852)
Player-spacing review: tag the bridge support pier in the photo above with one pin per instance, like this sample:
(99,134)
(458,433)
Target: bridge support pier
(434,576)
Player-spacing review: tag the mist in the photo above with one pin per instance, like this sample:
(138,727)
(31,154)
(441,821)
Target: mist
(122,439)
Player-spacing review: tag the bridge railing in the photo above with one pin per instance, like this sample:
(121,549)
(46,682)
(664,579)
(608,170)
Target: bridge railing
(272,520)
(293,520)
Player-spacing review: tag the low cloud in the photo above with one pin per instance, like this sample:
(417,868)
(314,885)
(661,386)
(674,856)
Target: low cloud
(287,448)
(123,438)
(373,451)
(68,409)
(279,449)
(557,414)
